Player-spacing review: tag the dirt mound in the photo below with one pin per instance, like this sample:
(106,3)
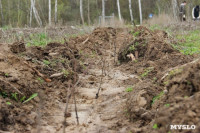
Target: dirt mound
(180,105)
(18,47)
(96,42)
(172,102)
(39,71)
(153,53)
(150,45)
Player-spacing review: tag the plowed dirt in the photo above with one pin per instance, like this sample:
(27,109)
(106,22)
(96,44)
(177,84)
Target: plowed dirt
(159,88)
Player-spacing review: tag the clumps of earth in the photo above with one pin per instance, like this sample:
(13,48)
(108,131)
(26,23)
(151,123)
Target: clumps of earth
(25,72)
(168,90)
(165,90)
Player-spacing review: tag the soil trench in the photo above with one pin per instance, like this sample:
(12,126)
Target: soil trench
(143,83)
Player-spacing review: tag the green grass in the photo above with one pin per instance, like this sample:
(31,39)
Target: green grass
(129,89)
(167,105)
(146,72)
(9,103)
(39,39)
(155,27)
(191,43)
(46,62)
(155,126)
(40,80)
(31,97)
(65,72)
(157,97)
(131,48)
(15,96)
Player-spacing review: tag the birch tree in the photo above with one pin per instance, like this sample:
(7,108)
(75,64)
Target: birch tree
(140,11)
(103,12)
(2,18)
(49,12)
(131,12)
(56,9)
(174,8)
(89,12)
(35,12)
(81,11)
(119,11)
(31,14)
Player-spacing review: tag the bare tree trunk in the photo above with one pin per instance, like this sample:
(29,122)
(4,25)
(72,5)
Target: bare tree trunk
(158,6)
(18,13)
(103,12)
(2,18)
(56,9)
(31,14)
(89,12)
(140,9)
(81,11)
(119,11)
(9,11)
(35,12)
(174,8)
(131,12)
(49,12)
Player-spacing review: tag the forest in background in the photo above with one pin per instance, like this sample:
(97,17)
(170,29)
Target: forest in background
(17,13)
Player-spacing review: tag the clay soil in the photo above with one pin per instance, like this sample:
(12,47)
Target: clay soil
(158,89)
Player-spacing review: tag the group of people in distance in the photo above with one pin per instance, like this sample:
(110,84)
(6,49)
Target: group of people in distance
(195,12)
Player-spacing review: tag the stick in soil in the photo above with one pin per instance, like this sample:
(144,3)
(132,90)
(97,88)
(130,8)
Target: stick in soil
(39,114)
(76,110)
(66,107)
(65,112)
(115,52)
(97,94)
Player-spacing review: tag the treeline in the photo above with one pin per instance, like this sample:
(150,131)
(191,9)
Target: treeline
(21,13)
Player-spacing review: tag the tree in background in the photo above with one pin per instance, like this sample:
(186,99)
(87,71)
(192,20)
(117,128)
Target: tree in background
(140,9)
(119,11)
(175,9)
(131,12)
(56,10)
(20,13)
(81,11)
(2,18)
(89,21)
(49,12)
(103,12)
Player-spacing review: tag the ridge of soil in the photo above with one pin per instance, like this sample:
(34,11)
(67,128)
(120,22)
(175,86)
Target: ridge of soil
(158,88)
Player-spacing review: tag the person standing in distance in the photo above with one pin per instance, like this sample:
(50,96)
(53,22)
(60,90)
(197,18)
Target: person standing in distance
(182,13)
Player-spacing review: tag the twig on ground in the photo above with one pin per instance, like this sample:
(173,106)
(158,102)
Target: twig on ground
(115,52)
(38,73)
(85,40)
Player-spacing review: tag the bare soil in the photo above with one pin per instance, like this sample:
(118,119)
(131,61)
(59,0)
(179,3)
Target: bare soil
(99,61)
